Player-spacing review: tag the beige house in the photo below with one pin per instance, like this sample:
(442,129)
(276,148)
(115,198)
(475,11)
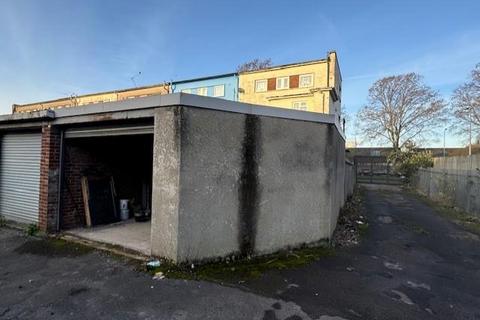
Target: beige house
(314,86)
(93,98)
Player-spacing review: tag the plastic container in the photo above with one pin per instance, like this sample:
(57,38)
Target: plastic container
(124,214)
(123,204)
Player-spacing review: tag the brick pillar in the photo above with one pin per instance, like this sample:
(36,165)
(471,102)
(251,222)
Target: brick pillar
(49,178)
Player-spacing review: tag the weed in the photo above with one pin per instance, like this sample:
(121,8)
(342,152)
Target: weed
(363,229)
(352,222)
(32,230)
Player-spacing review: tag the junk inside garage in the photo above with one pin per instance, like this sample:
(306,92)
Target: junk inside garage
(106,191)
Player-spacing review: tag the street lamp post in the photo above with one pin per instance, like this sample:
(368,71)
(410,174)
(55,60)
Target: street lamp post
(470,136)
(444,152)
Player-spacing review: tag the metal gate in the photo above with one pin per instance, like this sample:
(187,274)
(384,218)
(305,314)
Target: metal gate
(20,176)
(375,169)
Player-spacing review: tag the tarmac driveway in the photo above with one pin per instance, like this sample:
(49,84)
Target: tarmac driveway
(413,264)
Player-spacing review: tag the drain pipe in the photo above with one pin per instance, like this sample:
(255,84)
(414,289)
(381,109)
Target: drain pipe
(60,179)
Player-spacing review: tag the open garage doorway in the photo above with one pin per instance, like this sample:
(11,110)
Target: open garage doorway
(107,187)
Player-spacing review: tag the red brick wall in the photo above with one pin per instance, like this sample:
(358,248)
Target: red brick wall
(78,162)
(49,175)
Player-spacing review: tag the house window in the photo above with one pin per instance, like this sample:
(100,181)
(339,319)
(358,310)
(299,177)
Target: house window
(202,91)
(219,91)
(283,83)
(306,80)
(260,85)
(300,105)
(187,90)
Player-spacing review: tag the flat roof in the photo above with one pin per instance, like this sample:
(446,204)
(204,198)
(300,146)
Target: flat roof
(143,106)
(282,66)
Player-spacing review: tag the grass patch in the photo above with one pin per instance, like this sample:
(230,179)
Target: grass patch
(363,229)
(455,215)
(32,230)
(230,270)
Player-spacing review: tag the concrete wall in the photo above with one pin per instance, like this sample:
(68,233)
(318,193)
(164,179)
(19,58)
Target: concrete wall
(350,179)
(232,183)
(454,181)
(461,190)
(459,164)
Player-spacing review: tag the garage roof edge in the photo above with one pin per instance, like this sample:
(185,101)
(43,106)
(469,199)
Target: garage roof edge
(175,99)
(30,116)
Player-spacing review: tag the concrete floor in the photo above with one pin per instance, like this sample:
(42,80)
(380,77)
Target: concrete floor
(128,234)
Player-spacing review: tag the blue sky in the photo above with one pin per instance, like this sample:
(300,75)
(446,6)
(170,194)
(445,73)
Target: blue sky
(50,49)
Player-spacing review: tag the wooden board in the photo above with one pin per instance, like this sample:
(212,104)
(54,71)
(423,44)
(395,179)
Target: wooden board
(99,201)
(88,220)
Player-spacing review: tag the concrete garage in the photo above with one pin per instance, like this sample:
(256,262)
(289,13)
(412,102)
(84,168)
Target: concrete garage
(219,177)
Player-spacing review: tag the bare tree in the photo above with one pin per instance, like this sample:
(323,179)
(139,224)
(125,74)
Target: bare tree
(466,104)
(255,64)
(400,109)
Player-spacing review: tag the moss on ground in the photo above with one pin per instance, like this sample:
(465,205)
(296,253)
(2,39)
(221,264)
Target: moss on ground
(230,270)
(455,215)
(53,247)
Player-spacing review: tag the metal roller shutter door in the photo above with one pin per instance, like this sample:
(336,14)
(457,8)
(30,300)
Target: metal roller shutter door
(108,131)
(20,176)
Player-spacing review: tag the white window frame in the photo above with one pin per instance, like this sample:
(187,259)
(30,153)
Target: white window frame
(282,80)
(202,91)
(187,91)
(220,87)
(265,85)
(300,80)
(296,105)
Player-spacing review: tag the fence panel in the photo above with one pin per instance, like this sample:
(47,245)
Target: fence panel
(461,190)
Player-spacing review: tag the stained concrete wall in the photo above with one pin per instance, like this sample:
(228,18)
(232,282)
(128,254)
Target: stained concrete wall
(350,178)
(165,183)
(232,183)
(459,164)
(454,181)
(461,190)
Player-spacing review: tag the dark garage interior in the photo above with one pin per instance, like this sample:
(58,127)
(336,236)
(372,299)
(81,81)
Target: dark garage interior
(115,167)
